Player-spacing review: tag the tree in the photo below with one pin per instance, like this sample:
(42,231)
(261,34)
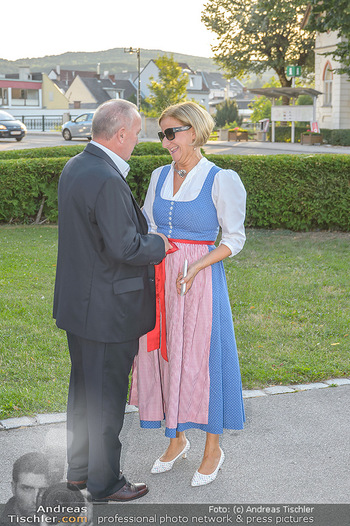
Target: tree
(333,15)
(261,105)
(255,35)
(226,113)
(170,88)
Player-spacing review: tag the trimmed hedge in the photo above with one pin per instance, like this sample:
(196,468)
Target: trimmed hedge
(23,185)
(40,153)
(303,192)
(143,148)
(297,192)
(150,148)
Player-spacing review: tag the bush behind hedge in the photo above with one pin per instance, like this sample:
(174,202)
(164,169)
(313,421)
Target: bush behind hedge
(284,133)
(334,137)
(303,192)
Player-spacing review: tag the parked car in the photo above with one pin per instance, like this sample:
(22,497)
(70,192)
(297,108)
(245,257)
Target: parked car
(11,128)
(78,127)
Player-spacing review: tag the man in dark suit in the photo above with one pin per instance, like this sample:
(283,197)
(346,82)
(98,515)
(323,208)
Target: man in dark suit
(104,297)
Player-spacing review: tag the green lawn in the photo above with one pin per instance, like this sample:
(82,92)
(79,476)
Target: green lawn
(289,294)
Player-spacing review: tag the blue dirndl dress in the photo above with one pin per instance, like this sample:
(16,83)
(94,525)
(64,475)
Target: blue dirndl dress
(200,386)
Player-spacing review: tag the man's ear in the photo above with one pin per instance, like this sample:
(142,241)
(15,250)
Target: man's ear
(121,134)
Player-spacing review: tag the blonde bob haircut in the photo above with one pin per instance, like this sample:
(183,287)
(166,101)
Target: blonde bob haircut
(191,114)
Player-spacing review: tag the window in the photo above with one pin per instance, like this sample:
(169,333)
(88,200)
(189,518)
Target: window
(82,118)
(327,85)
(25,97)
(3,97)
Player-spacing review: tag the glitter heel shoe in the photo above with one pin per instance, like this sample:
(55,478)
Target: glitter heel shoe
(200,480)
(161,467)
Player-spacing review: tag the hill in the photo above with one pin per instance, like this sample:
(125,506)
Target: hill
(111,60)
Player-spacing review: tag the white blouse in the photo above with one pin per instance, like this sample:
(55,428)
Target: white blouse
(228,194)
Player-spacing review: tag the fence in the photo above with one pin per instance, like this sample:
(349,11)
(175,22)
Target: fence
(43,122)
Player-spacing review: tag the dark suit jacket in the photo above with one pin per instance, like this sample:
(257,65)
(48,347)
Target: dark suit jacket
(104,288)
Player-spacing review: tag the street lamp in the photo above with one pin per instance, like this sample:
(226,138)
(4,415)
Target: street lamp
(131,51)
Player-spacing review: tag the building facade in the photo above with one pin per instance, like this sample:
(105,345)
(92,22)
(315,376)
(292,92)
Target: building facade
(26,92)
(333,106)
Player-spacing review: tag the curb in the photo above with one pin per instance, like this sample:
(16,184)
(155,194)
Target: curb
(56,418)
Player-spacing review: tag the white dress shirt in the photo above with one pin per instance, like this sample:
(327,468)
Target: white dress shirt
(228,194)
(122,165)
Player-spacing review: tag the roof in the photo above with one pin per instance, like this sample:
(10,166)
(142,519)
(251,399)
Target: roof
(126,75)
(127,86)
(217,81)
(291,93)
(184,65)
(98,88)
(61,84)
(70,74)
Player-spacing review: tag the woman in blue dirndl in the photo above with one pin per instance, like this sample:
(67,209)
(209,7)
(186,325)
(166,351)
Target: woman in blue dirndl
(192,379)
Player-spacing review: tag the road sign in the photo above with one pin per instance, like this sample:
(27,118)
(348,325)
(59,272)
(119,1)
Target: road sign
(293,71)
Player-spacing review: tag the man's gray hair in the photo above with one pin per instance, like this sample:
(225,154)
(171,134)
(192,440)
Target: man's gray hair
(111,116)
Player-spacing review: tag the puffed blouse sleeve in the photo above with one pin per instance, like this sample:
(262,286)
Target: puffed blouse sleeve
(147,208)
(229,197)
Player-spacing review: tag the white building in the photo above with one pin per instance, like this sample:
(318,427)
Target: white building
(333,106)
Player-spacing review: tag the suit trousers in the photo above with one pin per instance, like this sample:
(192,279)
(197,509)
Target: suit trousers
(95,413)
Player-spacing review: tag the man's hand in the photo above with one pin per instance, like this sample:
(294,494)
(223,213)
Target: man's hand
(165,239)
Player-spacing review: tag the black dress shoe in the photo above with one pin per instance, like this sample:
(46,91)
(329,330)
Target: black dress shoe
(128,492)
(76,485)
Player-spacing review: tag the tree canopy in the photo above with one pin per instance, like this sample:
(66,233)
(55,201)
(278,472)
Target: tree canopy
(226,113)
(170,88)
(256,35)
(333,15)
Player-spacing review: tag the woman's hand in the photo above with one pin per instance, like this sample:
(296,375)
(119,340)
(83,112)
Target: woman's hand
(218,254)
(191,274)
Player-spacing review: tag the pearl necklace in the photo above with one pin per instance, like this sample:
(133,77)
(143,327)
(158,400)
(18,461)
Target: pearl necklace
(182,173)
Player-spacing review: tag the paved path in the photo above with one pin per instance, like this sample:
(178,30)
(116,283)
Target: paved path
(294,449)
(49,139)
(269,148)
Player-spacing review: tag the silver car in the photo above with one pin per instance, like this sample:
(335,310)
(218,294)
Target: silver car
(78,127)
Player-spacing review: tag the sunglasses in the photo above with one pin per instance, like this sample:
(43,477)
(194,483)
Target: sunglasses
(169,133)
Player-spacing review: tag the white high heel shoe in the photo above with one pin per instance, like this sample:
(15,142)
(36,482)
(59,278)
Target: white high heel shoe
(161,467)
(200,480)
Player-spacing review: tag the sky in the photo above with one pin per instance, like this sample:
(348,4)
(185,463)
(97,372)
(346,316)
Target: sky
(40,28)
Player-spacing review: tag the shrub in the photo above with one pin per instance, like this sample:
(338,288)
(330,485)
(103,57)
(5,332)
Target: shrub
(143,148)
(327,135)
(284,133)
(334,137)
(23,185)
(296,192)
(340,137)
(149,148)
(33,153)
